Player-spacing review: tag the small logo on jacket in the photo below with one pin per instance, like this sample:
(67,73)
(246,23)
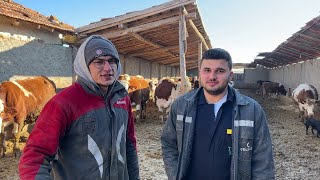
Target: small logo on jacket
(248,148)
(121,102)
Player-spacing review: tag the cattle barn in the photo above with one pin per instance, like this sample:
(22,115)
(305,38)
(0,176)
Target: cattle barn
(295,61)
(139,38)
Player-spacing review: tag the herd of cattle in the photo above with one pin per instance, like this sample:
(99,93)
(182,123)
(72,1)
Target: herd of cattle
(22,99)
(305,96)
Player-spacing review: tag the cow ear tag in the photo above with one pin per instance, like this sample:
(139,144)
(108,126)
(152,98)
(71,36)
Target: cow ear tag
(229,131)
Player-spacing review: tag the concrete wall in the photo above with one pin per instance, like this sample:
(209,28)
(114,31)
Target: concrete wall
(27,51)
(136,66)
(293,75)
(253,75)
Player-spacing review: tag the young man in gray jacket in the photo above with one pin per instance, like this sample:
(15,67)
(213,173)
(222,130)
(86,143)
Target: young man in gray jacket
(86,131)
(215,132)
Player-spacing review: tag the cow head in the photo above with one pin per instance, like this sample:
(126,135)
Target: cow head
(306,103)
(282,90)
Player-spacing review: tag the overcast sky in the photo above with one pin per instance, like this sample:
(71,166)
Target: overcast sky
(244,28)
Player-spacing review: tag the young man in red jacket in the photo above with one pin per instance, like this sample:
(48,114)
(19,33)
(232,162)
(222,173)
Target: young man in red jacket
(86,131)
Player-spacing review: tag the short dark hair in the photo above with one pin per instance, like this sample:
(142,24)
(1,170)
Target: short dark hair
(217,53)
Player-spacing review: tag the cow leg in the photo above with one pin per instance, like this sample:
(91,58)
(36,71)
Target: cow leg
(17,133)
(143,110)
(3,143)
(138,112)
(307,127)
(312,130)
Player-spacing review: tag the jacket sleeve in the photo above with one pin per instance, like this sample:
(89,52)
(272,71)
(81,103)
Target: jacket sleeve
(42,144)
(169,144)
(131,148)
(262,159)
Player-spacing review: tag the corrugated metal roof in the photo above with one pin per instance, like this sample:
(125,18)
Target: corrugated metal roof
(16,11)
(302,46)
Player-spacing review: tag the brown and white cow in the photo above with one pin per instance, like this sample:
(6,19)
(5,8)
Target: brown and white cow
(21,98)
(272,88)
(166,92)
(305,96)
(139,93)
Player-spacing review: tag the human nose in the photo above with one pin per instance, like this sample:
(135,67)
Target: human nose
(212,75)
(107,66)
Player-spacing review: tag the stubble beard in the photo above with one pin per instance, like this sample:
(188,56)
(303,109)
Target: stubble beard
(217,91)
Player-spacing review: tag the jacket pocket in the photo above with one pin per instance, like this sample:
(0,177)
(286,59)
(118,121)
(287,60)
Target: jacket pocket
(89,126)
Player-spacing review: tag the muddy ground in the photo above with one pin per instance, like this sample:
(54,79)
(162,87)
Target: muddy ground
(297,155)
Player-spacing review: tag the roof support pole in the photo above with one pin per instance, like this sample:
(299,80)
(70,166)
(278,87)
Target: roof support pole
(182,48)
(199,59)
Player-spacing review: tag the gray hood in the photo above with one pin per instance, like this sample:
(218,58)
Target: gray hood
(80,66)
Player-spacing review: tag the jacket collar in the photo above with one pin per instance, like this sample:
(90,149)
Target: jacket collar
(239,97)
(94,89)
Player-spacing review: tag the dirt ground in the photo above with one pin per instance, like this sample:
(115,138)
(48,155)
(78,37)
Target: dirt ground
(297,155)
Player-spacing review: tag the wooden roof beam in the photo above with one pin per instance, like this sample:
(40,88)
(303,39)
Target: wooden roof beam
(143,52)
(139,53)
(195,29)
(132,16)
(147,26)
(298,52)
(309,37)
(140,38)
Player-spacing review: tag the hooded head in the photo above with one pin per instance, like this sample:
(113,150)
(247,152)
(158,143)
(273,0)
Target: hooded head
(94,47)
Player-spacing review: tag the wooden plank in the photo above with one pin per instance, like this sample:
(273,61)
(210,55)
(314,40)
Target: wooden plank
(152,44)
(300,53)
(182,45)
(195,29)
(145,27)
(309,37)
(132,16)
(154,51)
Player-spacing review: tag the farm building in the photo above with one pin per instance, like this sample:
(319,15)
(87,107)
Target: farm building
(293,62)
(164,40)
(31,44)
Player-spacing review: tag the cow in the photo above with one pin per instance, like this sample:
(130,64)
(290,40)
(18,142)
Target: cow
(166,92)
(305,96)
(259,86)
(315,124)
(272,88)
(139,92)
(19,99)
(152,87)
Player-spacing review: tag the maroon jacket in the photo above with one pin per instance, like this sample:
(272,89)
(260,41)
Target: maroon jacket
(80,134)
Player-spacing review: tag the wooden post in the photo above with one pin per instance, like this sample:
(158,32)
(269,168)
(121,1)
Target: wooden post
(150,70)
(74,54)
(182,45)
(124,65)
(199,60)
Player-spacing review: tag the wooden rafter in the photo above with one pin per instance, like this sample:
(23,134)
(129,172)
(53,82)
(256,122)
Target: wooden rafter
(293,50)
(140,38)
(145,27)
(132,16)
(195,29)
